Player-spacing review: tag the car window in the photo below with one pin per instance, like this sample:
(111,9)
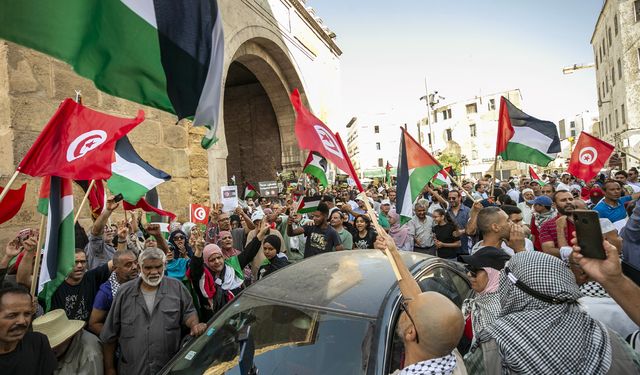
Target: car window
(438,279)
(282,339)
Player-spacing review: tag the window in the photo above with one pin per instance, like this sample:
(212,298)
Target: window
(448,135)
(639,57)
(596,56)
(606,126)
(636,6)
(617,120)
(429,138)
(624,115)
(474,155)
(609,36)
(615,24)
(619,69)
(376,129)
(573,132)
(600,50)
(472,130)
(599,97)
(603,92)
(492,104)
(604,47)
(609,120)
(380,162)
(606,86)
(377,145)
(613,76)
(446,114)
(472,108)
(572,124)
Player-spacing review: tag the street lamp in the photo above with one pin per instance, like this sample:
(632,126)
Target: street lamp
(430,101)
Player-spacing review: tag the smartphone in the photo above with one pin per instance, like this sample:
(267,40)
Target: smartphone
(589,234)
(117,198)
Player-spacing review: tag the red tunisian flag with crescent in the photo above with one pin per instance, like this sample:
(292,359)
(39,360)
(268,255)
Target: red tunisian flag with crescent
(314,135)
(589,156)
(77,143)
(199,214)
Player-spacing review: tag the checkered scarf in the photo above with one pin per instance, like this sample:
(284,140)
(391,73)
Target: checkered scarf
(113,280)
(484,310)
(539,337)
(593,289)
(443,365)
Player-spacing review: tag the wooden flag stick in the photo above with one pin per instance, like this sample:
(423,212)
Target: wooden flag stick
(493,178)
(5,191)
(36,262)
(379,229)
(84,200)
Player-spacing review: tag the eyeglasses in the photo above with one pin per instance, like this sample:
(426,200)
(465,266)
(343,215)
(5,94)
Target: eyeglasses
(404,307)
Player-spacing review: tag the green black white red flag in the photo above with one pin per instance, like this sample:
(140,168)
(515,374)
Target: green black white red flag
(166,54)
(316,166)
(416,167)
(58,257)
(524,138)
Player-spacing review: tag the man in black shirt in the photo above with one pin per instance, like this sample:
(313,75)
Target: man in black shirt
(321,237)
(79,289)
(22,352)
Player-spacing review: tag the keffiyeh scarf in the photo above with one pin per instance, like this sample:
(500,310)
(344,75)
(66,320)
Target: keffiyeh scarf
(542,218)
(113,280)
(532,333)
(593,289)
(443,365)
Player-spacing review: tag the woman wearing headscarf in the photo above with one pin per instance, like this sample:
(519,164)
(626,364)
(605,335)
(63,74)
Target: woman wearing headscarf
(483,271)
(216,279)
(179,243)
(399,232)
(275,259)
(541,328)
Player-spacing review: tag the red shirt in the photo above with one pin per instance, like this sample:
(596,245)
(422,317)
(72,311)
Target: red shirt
(535,232)
(548,232)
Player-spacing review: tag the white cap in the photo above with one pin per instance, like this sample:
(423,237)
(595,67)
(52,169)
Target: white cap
(258,215)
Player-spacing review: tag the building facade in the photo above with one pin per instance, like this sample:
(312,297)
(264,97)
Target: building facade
(616,49)
(373,141)
(569,129)
(469,128)
(271,48)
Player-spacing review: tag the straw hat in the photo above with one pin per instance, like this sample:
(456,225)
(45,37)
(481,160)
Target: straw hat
(57,327)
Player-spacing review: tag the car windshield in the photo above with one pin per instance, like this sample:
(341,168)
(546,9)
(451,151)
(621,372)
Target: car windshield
(278,339)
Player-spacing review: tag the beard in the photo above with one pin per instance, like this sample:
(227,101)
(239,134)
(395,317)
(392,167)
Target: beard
(151,281)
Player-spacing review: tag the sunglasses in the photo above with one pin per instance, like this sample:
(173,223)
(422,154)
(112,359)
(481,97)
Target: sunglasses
(178,238)
(472,272)
(404,307)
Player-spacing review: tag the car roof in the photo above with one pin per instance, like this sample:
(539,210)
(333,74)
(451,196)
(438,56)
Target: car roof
(352,281)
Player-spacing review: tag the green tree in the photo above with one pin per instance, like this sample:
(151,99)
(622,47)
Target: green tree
(453,160)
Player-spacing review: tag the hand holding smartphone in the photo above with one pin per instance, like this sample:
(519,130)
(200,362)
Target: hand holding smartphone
(589,234)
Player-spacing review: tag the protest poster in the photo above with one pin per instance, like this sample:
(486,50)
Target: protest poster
(229,199)
(268,189)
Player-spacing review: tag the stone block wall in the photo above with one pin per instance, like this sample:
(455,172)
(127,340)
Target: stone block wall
(32,85)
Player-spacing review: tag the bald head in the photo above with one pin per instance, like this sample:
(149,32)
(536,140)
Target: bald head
(439,323)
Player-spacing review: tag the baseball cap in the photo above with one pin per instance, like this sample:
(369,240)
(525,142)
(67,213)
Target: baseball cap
(487,256)
(385,201)
(542,200)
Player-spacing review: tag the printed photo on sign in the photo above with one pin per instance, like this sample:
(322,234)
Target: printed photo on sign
(229,199)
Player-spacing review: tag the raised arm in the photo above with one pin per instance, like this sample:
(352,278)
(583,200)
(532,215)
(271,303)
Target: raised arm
(154,230)
(98,226)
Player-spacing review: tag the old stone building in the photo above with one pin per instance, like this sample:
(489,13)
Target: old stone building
(616,49)
(271,47)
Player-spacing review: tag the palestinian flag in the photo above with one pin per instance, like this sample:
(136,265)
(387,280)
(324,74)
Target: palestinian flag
(249,191)
(534,177)
(316,166)
(309,204)
(442,178)
(43,195)
(166,54)
(58,257)
(155,214)
(387,173)
(525,138)
(416,167)
(133,177)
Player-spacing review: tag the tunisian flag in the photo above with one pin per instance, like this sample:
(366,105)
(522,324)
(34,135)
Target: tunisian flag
(314,135)
(77,143)
(12,203)
(589,156)
(199,214)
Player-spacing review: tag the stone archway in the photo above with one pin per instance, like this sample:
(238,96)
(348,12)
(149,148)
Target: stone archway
(251,128)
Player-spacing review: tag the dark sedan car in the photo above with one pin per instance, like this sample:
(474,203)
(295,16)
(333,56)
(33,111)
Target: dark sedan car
(332,314)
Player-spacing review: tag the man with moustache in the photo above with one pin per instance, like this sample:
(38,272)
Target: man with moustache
(146,318)
(563,202)
(22,352)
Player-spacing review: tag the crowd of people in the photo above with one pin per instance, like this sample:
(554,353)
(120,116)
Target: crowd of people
(134,296)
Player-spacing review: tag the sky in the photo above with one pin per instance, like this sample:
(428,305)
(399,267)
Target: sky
(463,48)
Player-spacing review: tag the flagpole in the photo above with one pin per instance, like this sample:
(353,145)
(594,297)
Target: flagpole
(6,188)
(36,262)
(459,185)
(493,177)
(379,229)
(84,200)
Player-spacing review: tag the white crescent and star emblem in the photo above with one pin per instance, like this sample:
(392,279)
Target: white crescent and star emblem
(328,141)
(84,143)
(588,156)
(199,213)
